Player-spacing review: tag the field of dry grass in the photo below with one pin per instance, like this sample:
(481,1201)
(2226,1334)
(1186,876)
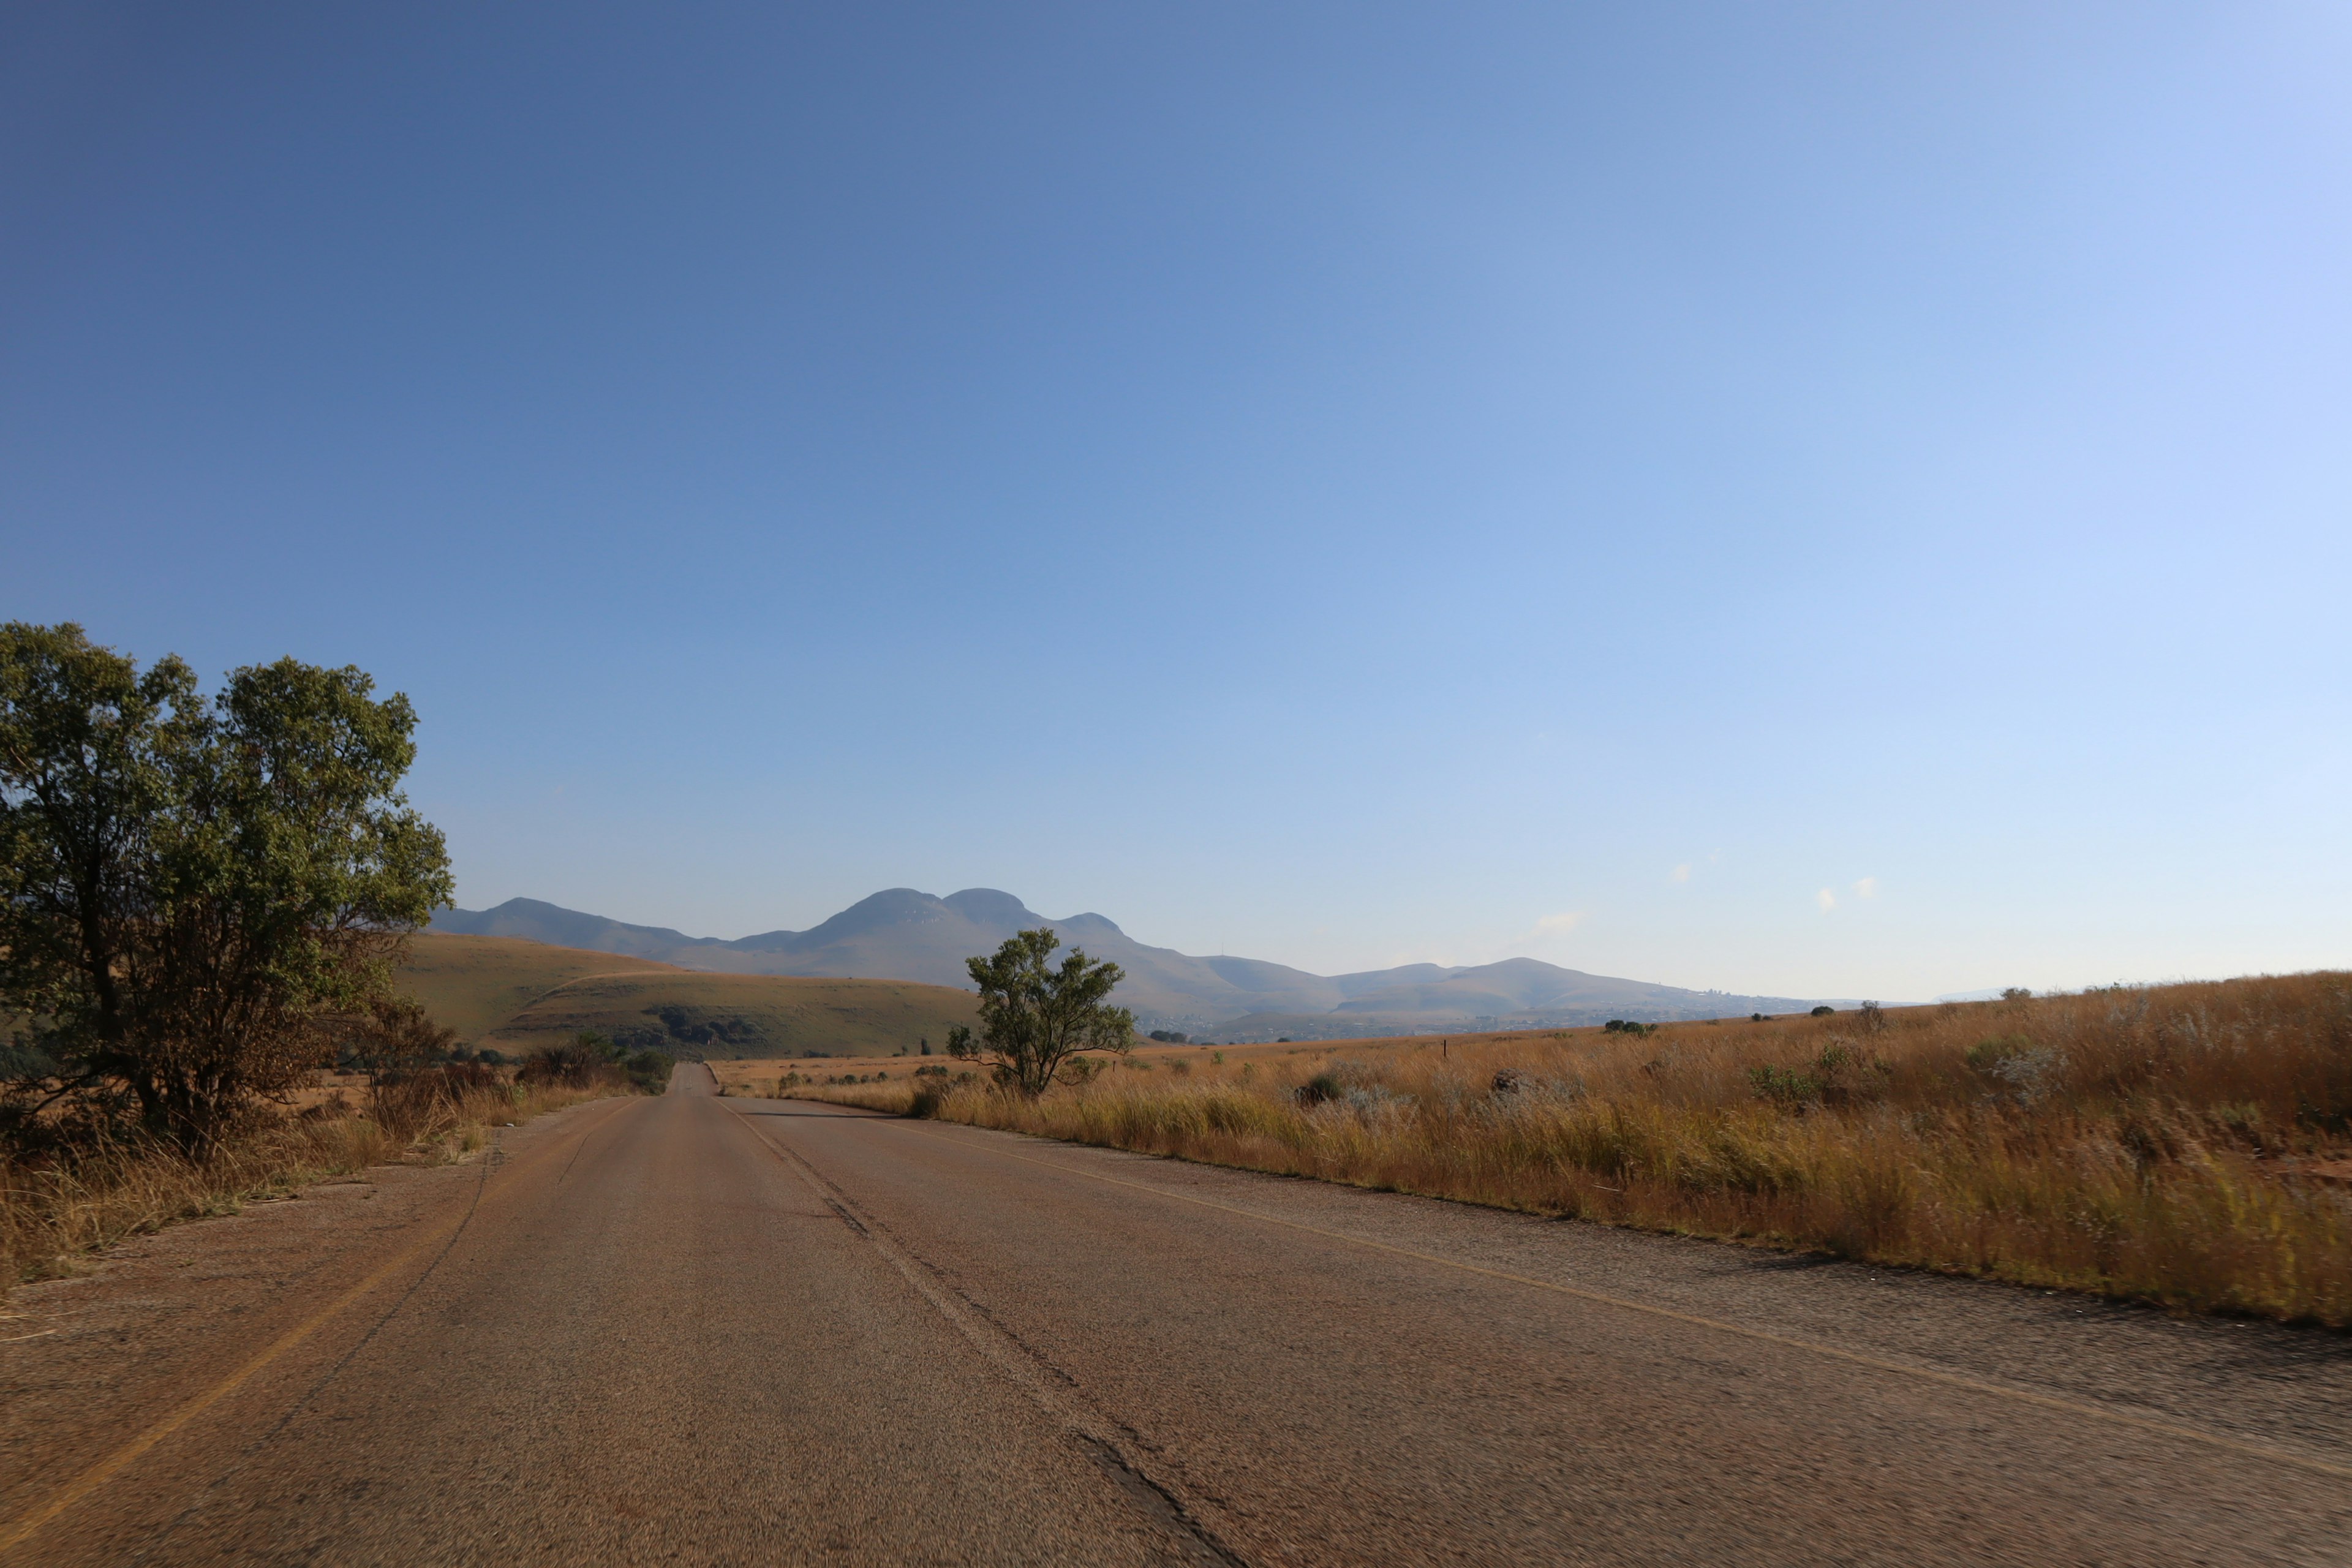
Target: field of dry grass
(2186,1145)
(728,1016)
(473,984)
(517,995)
(53,1213)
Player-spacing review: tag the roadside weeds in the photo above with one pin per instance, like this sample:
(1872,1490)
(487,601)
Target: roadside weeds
(54,1215)
(2178,1145)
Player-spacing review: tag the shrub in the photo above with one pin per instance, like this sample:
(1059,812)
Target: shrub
(585,1058)
(649,1070)
(1790,1089)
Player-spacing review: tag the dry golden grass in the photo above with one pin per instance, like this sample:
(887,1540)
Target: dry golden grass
(473,984)
(752,1014)
(517,995)
(2181,1144)
(56,1212)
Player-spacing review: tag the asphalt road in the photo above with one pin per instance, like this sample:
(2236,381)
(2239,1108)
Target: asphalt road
(701,1330)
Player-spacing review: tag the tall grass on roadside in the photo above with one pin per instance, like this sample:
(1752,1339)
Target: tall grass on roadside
(2181,1144)
(62,1208)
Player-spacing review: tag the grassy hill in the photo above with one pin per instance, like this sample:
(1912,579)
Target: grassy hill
(515,994)
(473,984)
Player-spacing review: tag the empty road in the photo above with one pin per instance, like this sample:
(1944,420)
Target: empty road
(701,1330)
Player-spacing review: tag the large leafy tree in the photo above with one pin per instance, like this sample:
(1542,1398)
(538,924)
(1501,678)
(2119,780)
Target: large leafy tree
(1037,1016)
(192,894)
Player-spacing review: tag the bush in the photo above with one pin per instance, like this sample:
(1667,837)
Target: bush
(649,1071)
(584,1059)
(1837,1077)
(1790,1089)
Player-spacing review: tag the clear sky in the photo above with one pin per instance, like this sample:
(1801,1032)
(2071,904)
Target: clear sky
(1834,500)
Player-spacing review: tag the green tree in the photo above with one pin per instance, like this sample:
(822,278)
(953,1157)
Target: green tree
(193,895)
(1035,1016)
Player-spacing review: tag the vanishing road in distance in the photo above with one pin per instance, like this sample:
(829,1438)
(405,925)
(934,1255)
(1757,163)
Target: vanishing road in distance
(701,1330)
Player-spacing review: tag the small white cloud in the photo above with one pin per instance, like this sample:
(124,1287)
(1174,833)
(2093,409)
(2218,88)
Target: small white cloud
(1560,925)
(1827,899)
(1680,873)
(1866,888)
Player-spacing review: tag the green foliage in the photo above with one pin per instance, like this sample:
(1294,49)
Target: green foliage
(706,1026)
(649,1070)
(1986,1056)
(585,1058)
(1837,1077)
(396,1036)
(1790,1089)
(1627,1027)
(1036,1020)
(1823,1011)
(197,899)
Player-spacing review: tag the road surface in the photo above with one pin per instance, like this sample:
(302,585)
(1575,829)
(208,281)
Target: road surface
(701,1330)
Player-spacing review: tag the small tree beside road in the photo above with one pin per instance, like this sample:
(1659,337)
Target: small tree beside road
(1035,1016)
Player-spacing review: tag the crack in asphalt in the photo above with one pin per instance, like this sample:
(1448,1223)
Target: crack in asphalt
(1095,1435)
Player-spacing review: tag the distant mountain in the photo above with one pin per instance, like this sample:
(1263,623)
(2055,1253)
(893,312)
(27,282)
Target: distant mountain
(903,934)
(560,927)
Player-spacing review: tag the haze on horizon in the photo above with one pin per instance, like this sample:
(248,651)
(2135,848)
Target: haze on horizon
(1824,502)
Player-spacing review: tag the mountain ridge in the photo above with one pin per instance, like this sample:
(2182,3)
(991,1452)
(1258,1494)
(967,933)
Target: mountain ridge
(903,933)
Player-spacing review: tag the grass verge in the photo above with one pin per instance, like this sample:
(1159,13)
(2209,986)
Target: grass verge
(53,1213)
(2184,1144)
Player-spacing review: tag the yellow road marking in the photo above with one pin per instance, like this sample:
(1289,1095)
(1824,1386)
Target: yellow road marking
(1601,1297)
(105,1469)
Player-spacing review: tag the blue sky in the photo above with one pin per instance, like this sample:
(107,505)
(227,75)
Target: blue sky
(1834,500)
